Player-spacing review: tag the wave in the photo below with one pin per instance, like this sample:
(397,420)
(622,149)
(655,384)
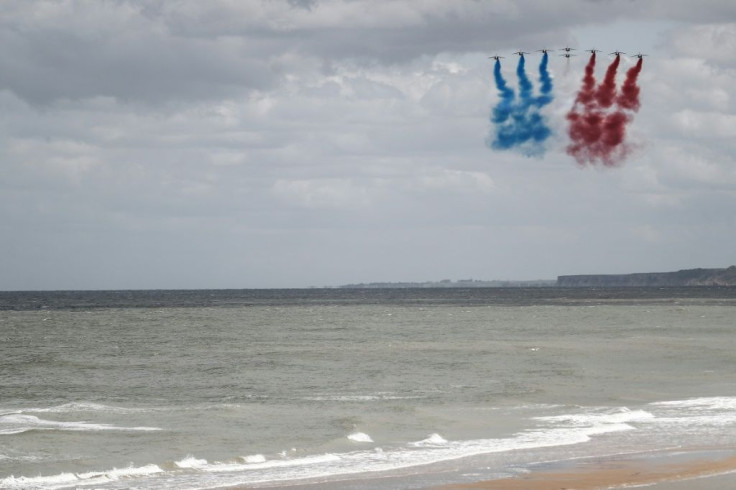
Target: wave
(68,480)
(715,412)
(431,440)
(360,437)
(19,423)
(253,458)
(191,471)
(91,407)
(72,407)
(616,416)
(565,427)
(703,403)
(337,397)
(191,462)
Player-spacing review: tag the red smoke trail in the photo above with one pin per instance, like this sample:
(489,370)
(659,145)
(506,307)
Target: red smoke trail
(629,98)
(598,133)
(585,122)
(586,94)
(606,92)
(583,126)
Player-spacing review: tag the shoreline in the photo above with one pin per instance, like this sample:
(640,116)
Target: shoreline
(714,468)
(662,470)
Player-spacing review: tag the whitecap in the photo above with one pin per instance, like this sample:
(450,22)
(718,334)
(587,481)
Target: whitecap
(67,480)
(360,437)
(259,462)
(191,462)
(254,458)
(117,473)
(83,407)
(432,440)
(38,481)
(704,403)
(620,416)
(351,397)
(18,423)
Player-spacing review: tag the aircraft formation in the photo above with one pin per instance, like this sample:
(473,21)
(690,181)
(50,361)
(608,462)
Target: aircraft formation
(597,120)
(567,53)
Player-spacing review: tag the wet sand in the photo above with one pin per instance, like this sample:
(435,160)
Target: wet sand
(712,469)
(704,469)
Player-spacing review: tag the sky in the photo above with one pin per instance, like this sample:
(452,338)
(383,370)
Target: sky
(150,144)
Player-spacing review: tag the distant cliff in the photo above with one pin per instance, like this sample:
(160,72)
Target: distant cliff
(447,283)
(690,277)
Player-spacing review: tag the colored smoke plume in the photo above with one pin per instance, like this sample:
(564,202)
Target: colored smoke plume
(629,97)
(525,85)
(518,121)
(502,111)
(599,117)
(606,92)
(545,83)
(587,91)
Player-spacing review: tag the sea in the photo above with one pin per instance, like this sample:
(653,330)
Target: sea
(355,388)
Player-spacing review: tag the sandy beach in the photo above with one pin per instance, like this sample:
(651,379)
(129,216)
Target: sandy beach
(712,469)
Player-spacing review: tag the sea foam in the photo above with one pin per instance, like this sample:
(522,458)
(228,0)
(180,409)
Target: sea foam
(257,469)
(68,480)
(432,440)
(72,407)
(620,416)
(18,423)
(704,403)
(191,462)
(254,458)
(360,437)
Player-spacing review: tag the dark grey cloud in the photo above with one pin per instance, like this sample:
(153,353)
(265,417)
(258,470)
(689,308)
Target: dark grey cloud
(154,51)
(304,4)
(57,50)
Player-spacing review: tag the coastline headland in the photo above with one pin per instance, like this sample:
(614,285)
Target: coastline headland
(682,278)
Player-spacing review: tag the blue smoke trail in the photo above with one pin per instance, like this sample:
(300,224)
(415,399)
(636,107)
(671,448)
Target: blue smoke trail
(525,86)
(520,123)
(502,111)
(545,81)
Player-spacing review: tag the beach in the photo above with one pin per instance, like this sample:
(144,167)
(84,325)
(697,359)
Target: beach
(709,470)
(704,469)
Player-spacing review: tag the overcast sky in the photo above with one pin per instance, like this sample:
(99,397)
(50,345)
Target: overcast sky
(256,143)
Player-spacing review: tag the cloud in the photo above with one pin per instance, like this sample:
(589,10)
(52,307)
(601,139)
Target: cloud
(713,42)
(74,49)
(706,124)
(228,144)
(153,52)
(322,193)
(455,180)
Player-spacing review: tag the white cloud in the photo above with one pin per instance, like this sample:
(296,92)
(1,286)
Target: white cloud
(714,42)
(454,180)
(706,124)
(322,193)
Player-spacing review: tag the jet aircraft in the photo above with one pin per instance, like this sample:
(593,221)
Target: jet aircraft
(640,56)
(543,50)
(593,51)
(567,55)
(495,57)
(567,50)
(617,53)
(521,53)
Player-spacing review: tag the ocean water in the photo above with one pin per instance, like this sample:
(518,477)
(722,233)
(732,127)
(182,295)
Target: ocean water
(393,388)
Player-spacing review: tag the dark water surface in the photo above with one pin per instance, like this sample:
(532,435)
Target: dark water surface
(76,300)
